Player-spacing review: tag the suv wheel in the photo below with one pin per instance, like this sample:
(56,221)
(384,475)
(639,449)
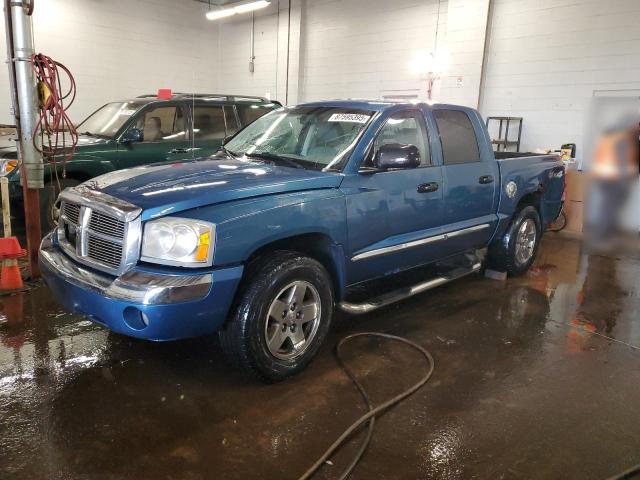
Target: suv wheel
(515,252)
(282,316)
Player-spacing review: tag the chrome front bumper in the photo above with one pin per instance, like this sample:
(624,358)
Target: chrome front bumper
(144,288)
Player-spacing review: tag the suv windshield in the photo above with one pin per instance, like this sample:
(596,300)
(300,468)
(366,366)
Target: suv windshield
(311,137)
(106,121)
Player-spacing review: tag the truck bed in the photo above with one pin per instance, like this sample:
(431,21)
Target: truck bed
(538,173)
(508,155)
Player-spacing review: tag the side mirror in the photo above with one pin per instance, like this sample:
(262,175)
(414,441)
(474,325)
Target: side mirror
(132,135)
(397,156)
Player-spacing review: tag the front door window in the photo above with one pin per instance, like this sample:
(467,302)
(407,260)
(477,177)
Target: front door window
(163,124)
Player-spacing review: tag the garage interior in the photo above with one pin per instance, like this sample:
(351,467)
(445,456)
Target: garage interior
(536,376)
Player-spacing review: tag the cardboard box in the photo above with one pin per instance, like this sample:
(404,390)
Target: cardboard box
(575,216)
(575,186)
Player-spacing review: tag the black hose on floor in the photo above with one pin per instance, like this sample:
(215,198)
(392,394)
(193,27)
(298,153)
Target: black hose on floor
(372,413)
(633,472)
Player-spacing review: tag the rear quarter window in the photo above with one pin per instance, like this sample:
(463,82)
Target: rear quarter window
(458,138)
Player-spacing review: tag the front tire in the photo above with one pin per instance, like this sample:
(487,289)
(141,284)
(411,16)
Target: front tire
(282,316)
(516,251)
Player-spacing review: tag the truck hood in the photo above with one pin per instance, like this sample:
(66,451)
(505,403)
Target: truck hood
(168,188)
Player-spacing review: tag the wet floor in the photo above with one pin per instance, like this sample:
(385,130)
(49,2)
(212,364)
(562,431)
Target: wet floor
(537,377)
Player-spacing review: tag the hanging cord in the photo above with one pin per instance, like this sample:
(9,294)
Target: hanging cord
(58,135)
(372,413)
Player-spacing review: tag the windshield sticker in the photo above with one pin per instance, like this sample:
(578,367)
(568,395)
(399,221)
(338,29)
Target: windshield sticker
(127,113)
(349,117)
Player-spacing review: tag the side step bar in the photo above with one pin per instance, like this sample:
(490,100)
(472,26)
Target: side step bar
(403,293)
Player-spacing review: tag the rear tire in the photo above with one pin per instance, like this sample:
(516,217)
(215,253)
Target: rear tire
(516,251)
(281,318)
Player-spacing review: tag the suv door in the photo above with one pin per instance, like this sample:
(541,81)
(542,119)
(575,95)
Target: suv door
(392,214)
(165,136)
(471,181)
(211,124)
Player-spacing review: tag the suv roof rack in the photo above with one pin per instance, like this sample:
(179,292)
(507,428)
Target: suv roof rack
(216,96)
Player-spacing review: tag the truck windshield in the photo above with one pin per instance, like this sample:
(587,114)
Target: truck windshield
(106,121)
(319,138)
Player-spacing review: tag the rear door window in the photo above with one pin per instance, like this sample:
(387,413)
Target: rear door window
(458,138)
(208,123)
(250,113)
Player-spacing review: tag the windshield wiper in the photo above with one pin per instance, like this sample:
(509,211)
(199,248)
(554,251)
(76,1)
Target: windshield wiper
(229,152)
(270,157)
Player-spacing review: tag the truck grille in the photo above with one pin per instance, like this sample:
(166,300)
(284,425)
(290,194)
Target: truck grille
(104,251)
(72,212)
(96,238)
(101,223)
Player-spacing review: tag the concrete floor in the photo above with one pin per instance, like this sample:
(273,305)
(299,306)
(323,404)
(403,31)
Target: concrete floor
(537,377)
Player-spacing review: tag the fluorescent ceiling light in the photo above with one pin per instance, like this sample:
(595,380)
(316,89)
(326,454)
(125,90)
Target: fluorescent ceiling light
(248,7)
(242,8)
(216,14)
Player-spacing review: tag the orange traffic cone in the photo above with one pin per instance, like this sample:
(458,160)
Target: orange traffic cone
(11,277)
(10,250)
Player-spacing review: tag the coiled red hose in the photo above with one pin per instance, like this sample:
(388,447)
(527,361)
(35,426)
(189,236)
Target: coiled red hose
(57,133)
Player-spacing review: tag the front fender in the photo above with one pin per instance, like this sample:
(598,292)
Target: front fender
(246,226)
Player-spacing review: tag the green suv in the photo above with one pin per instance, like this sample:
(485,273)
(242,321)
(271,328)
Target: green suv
(138,132)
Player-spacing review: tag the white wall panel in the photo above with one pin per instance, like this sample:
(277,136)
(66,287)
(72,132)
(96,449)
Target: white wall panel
(118,49)
(547,58)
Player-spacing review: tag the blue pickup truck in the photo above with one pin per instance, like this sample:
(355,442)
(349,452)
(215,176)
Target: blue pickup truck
(296,214)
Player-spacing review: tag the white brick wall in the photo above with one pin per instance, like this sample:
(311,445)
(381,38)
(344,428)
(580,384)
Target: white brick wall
(548,57)
(271,36)
(339,48)
(363,48)
(118,49)
(545,60)
(466,29)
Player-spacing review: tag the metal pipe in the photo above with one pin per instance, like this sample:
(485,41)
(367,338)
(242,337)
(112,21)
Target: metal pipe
(485,54)
(25,105)
(8,29)
(252,46)
(32,168)
(286,92)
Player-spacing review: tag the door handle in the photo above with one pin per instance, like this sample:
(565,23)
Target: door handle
(178,150)
(485,179)
(428,187)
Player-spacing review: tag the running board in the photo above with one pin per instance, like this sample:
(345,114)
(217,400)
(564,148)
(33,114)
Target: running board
(403,293)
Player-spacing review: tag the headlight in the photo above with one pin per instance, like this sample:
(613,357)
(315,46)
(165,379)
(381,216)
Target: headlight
(179,241)
(7,166)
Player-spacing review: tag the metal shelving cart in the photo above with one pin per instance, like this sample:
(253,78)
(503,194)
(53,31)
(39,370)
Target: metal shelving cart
(503,143)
